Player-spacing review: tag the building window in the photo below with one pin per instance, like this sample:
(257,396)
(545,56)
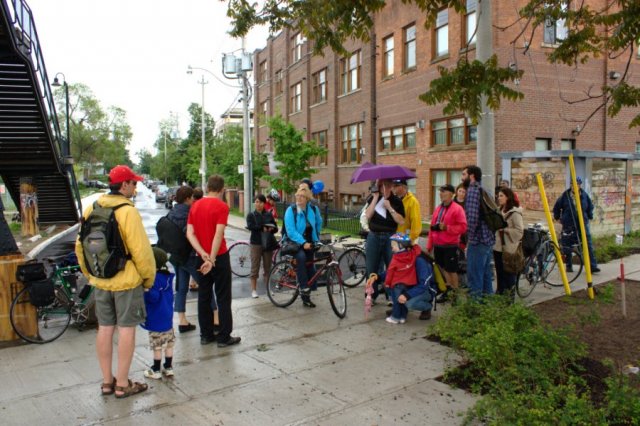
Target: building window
(567,144)
(453,131)
(543,144)
(320,86)
(296,47)
(321,140)
(296,98)
(409,48)
(637,147)
(471,20)
(441,34)
(350,73)
(387,69)
(278,82)
(555,31)
(351,143)
(263,72)
(439,178)
(263,113)
(398,138)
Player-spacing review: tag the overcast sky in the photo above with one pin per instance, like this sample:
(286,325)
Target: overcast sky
(134,54)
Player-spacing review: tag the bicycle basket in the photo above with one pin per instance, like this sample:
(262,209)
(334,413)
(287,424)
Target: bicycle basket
(42,292)
(30,271)
(531,239)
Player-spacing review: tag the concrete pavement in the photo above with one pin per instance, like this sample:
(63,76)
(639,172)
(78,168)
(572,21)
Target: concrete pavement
(293,366)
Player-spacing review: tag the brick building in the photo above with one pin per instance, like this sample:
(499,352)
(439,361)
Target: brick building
(365,107)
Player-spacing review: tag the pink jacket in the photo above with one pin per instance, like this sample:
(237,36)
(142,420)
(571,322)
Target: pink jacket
(456,225)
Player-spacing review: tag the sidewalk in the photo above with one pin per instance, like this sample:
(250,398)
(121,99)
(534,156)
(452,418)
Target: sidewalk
(293,366)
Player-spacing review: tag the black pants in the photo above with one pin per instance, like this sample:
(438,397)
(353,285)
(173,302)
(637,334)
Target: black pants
(219,278)
(505,280)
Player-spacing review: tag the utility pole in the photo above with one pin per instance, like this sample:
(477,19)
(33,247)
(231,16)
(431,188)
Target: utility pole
(486,147)
(246,138)
(203,163)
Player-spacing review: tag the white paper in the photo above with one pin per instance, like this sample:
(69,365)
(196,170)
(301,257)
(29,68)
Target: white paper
(380,208)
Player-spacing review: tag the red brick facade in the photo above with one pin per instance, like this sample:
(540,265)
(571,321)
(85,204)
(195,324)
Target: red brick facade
(385,104)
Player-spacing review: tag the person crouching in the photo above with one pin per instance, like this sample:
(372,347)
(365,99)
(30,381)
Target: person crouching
(401,275)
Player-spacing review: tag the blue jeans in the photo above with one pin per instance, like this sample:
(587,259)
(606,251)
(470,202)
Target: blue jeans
(479,273)
(571,237)
(420,303)
(377,250)
(399,310)
(304,271)
(183,273)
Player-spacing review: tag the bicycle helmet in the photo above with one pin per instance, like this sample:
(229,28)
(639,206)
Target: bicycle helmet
(402,240)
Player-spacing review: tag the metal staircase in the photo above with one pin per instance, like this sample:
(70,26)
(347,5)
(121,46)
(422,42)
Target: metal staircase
(31,144)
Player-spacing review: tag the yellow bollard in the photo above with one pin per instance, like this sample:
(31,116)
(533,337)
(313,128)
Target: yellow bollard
(552,232)
(583,229)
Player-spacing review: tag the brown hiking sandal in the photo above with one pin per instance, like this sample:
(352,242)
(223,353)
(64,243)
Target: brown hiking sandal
(133,389)
(108,388)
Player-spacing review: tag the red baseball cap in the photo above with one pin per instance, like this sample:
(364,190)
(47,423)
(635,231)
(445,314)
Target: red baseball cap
(122,174)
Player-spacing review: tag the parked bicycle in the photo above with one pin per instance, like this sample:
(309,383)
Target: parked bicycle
(240,257)
(542,264)
(59,303)
(353,264)
(283,287)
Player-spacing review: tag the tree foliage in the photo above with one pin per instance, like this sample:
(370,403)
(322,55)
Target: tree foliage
(292,153)
(613,30)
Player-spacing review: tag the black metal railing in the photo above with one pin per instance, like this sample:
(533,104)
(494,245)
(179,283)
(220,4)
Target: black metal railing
(347,222)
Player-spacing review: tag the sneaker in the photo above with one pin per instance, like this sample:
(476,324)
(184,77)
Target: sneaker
(425,315)
(569,269)
(402,320)
(230,342)
(392,320)
(254,294)
(308,304)
(152,374)
(595,270)
(168,372)
(205,340)
(389,312)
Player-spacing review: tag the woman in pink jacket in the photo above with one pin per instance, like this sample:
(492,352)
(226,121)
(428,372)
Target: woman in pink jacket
(447,225)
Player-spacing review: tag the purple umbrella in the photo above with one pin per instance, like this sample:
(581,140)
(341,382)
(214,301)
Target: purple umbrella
(368,171)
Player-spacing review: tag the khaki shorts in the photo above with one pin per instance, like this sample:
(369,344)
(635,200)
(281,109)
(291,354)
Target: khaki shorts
(160,339)
(122,308)
(256,255)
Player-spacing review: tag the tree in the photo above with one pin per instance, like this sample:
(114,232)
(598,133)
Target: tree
(292,153)
(144,166)
(613,30)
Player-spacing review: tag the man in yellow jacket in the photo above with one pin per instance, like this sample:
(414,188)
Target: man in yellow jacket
(119,300)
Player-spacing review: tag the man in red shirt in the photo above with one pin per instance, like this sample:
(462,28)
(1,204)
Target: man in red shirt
(205,231)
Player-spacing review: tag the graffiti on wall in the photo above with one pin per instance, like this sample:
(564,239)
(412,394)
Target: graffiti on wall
(608,191)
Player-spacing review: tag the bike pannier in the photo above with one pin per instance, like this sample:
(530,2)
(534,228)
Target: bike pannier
(30,271)
(530,241)
(42,293)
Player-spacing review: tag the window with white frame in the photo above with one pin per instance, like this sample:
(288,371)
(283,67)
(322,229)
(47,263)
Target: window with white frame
(296,47)
(442,177)
(409,47)
(387,69)
(471,22)
(555,30)
(453,131)
(320,86)
(350,73)
(295,104)
(398,138)
(351,143)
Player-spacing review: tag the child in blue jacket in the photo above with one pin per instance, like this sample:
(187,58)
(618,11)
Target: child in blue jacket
(158,301)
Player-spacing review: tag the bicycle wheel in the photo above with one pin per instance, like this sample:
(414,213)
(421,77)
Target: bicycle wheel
(240,254)
(552,272)
(282,287)
(337,293)
(528,278)
(44,325)
(353,265)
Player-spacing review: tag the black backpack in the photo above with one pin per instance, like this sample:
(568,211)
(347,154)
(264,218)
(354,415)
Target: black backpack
(104,251)
(490,213)
(173,240)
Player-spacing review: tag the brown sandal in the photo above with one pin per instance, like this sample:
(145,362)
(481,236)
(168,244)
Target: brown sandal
(132,389)
(108,388)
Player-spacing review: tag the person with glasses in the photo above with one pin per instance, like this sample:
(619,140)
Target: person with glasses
(119,299)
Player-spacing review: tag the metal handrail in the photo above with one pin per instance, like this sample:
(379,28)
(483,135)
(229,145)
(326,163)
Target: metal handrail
(26,38)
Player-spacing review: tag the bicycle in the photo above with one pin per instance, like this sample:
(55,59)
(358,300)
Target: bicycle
(353,264)
(541,264)
(52,320)
(283,287)
(240,257)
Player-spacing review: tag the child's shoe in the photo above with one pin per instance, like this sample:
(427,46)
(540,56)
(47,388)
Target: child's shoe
(392,320)
(402,320)
(151,374)
(168,372)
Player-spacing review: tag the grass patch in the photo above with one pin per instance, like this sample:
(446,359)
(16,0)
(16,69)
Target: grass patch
(527,372)
(607,250)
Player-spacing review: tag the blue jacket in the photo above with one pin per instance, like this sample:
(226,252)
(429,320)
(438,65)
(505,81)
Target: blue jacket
(565,209)
(158,302)
(424,275)
(295,229)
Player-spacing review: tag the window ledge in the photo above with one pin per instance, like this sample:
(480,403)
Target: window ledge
(439,58)
(349,165)
(409,70)
(295,113)
(550,45)
(318,103)
(350,93)
(387,78)
(452,148)
(469,48)
(398,152)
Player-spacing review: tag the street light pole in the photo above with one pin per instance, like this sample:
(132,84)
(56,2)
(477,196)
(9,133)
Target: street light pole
(203,164)
(66,147)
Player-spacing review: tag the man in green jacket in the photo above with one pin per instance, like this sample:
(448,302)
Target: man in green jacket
(119,299)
